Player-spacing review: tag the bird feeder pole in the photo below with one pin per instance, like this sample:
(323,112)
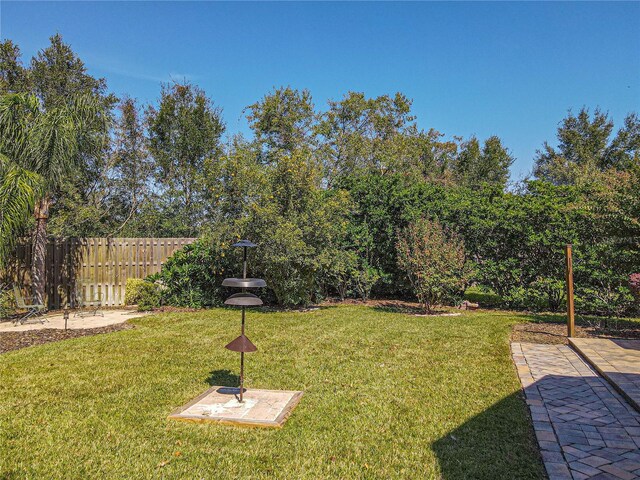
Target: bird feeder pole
(244,299)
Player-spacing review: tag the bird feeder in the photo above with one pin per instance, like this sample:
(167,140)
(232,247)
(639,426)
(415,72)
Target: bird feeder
(244,299)
(258,408)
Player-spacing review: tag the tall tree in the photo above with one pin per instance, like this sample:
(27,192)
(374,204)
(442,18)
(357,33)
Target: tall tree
(13,75)
(58,75)
(585,147)
(49,142)
(361,134)
(184,132)
(283,119)
(474,166)
(131,164)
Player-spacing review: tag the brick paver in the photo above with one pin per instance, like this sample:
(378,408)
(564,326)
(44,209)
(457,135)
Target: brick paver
(616,360)
(585,429)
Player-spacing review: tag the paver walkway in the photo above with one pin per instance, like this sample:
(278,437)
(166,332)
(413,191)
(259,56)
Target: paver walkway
(616,360)
(585,429)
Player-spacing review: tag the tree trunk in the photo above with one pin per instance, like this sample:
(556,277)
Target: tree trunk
(38,270)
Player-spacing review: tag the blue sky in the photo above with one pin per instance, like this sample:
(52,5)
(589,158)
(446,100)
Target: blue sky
(509,69)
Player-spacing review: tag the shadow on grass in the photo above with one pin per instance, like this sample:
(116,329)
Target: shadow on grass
(223,378)
(398,307)
(498,443)
(267,309)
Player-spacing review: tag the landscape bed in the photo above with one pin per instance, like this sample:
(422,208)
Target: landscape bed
(386,395)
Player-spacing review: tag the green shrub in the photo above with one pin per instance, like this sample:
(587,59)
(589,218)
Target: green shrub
(364,278)
(193,276)
(150,296)
(132,290)
(348,274)
(143,293)
(434,260)
(484,297)
(336,272)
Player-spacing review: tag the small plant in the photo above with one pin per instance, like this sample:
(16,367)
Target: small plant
(434,261)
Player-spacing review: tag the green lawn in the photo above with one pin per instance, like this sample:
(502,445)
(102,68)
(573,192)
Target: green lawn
(387,395)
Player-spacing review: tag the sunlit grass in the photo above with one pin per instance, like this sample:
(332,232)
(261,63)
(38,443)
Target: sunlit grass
(387,395)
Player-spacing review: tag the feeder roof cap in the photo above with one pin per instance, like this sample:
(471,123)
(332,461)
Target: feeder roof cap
(244,243)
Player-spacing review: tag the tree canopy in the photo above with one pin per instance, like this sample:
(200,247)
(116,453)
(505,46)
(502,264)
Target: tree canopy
(330,190)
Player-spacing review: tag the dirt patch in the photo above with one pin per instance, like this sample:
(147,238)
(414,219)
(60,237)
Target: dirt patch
(556,333)
(17,340)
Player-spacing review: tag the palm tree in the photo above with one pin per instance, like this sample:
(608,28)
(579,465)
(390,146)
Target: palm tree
(40,149)
(19,189)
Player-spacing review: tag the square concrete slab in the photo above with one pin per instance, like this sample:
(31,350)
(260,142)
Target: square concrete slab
(260,408)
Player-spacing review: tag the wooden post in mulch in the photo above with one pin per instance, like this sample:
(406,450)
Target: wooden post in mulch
(571,319)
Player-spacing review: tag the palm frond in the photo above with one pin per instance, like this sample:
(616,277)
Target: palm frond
(19,189)
(17,113)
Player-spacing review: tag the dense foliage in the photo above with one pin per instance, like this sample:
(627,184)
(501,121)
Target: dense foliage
(143,293)
(434,261)
(324,192)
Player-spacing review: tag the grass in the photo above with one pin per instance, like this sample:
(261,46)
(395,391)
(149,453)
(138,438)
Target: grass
(387,395)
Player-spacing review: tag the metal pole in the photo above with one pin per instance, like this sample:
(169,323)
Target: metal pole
(244,263)
(571,320)
(242,363)
(244,275)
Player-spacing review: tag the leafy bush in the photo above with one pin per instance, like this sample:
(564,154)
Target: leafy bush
(364,278)
(143,293)
(193,276)
(315,242)
(348,274)
(634,285)
(483,297)
(150,296)
(132,290)
(336,272)
(434,262)
(544,294)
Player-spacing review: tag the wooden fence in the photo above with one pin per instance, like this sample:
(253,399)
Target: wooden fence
(96,266)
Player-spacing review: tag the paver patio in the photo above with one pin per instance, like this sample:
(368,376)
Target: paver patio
(616,360)
(110,317)
(585,429)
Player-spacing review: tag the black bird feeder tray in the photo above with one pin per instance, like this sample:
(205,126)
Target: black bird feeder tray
(244,299)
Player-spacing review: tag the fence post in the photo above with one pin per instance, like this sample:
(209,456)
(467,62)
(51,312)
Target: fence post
(571,320)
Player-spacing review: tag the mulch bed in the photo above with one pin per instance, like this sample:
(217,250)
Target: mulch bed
(17,340)
(556,333)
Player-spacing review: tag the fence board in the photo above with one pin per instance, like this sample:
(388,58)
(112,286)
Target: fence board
(97,265)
